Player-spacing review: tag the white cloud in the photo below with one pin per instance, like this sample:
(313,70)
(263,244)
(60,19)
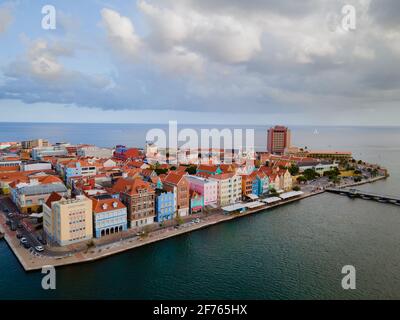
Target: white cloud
(121,32)
(221,37)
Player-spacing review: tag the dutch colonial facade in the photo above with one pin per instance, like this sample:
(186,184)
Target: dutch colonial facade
(109,216)
(139,198)
(178,184)
(229,188)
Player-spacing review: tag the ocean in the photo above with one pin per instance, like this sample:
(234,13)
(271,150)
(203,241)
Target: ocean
(292,252)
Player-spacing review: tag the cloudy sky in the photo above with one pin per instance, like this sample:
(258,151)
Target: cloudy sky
(201,61)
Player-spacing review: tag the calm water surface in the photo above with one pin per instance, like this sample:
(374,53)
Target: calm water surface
(293,252)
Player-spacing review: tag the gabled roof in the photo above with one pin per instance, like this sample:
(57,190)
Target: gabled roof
(174,178)
(105,205)
(54,196)
(223,176)
(131,186)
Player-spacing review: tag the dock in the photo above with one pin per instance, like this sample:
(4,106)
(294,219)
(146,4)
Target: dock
(355,193)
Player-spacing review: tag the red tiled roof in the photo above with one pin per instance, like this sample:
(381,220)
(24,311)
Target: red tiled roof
(174,177)
(54,196)
(223,176)
(104,205)
(131,186)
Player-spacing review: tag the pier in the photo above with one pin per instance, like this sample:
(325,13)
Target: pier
(355,193)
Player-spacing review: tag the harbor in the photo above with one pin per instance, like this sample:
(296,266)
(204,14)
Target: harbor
(31,261)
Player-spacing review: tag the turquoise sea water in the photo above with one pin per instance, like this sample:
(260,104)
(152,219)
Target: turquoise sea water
(292,252)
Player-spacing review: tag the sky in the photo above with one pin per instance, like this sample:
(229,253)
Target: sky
(310,62)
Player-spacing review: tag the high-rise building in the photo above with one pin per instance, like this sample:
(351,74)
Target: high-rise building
(278,139)
(67,221)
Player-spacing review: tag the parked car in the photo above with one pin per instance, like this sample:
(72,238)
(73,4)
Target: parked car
(13,227)
(8,222)
(41,240)
(39,249)
(19,225)
(24,240)
(19,235)
(26,245)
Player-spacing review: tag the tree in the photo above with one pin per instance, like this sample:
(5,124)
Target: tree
(173,168)
(273,191)
(191,169)
(296,188)
(161,171)
(301,179)
(294,170)
(310,174)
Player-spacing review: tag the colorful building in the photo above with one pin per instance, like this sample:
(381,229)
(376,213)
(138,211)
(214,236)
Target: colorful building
(209,169)
(262,183)
(31,194)
(229,187)
(205,187)
(139,198)
(109,216)
(67,221)
(196,202)
(165,205)
(78,168)
(123,153)
(178,184)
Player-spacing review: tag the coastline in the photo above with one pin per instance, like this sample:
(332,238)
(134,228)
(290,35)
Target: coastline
(32,263)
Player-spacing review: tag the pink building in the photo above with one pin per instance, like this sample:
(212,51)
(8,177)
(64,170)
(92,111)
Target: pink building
(207,188)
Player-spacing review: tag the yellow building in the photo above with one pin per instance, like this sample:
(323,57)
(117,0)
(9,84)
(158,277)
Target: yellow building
(229,188)
(67,221)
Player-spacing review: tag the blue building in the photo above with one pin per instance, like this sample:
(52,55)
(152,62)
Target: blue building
(109,216)
(262,183)
(165,205)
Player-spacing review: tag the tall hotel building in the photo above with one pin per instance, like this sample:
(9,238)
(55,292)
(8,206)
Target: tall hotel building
(278,139)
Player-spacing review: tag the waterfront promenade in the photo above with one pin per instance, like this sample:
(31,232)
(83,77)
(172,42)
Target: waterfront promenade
(31,262)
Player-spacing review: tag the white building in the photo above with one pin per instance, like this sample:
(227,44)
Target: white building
(36,165)
(94,151)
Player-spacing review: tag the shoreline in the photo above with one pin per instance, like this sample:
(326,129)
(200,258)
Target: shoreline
(30,262)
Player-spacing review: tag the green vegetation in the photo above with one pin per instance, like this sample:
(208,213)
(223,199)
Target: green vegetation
(294,170)
(301,179)
(296,188)
(332,174)
(310,174)
(179,220)
(173,168)
(160,171)
(191,169)
(273,192)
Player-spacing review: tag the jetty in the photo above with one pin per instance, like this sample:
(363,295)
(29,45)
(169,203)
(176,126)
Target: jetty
(355,193)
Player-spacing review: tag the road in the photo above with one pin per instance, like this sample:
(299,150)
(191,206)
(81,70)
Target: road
(20,219)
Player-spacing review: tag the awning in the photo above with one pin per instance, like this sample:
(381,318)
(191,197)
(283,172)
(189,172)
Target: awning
(252,196)
(291,194)
(272,200)
(234,207)
(254,204)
